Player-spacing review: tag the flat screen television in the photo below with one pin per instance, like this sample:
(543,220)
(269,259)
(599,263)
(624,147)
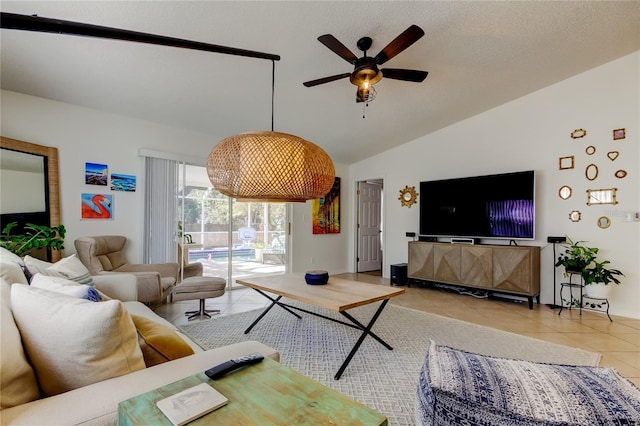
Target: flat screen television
(500,206)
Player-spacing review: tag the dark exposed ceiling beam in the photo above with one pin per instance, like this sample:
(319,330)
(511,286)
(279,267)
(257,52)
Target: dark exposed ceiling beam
(15,21)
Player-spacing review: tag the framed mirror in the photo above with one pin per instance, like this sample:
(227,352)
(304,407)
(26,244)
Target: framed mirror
(575,216)
(590,150)
(408,196)
(620,174)
(601,196)
(31,169)
(565,192)
(604,222)
(578,133)
(619,134)
(566,162)
(591,172)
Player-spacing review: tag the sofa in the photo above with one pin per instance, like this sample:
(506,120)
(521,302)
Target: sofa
(35,389)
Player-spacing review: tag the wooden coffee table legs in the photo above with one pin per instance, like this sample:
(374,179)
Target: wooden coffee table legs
(354,323)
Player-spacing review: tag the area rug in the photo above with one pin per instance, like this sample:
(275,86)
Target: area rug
(377,377)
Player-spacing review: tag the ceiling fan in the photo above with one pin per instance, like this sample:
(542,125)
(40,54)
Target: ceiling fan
(366,72)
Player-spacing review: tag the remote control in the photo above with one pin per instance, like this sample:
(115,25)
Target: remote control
(232,365)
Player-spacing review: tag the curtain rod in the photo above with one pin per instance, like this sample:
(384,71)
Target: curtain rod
(15,21)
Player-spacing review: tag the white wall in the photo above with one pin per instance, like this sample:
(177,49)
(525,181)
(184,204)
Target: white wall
(325,251)
(85,135)
(528,133)
(532,133)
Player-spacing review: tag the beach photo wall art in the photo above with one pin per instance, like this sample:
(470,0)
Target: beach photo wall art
(120,182)
(96,174)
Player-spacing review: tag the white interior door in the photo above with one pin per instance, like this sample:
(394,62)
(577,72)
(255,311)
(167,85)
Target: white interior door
(369,226)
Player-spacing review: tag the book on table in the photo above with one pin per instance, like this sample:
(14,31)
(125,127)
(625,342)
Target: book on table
(191,403)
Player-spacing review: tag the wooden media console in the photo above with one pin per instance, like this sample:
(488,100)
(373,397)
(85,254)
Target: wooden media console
(494,268)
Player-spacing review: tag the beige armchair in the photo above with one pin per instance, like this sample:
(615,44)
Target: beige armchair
(104,255)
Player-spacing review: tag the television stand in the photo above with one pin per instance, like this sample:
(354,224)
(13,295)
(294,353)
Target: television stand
(493,268)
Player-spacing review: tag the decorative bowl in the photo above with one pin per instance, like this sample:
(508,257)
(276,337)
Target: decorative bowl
(316,277)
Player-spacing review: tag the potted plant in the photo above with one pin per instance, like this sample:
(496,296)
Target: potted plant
(598,276)
(581,259)
(32,237)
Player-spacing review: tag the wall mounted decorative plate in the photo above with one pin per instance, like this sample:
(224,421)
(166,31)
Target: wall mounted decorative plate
(590,150)
(620,174)
(578,133)
(565,192)
(566,163)
(591,172)
(604,222)
(619,134)
(613,155)
(408,196)
(575,216)
(601,196)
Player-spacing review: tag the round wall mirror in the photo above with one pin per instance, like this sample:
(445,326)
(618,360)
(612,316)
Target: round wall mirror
(408,196)
(590,150)
(604,222)
(565,192)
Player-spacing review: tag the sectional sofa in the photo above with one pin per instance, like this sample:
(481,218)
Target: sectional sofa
(65,359)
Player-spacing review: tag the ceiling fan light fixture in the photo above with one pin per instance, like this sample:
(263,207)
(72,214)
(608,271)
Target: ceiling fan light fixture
(368,76)
(268,166)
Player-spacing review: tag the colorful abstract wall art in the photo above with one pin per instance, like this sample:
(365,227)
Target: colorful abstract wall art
(325,211)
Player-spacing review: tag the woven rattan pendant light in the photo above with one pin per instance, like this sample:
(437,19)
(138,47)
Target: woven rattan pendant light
(269,166)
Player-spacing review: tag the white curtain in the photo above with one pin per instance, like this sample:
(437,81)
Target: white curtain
(161,210)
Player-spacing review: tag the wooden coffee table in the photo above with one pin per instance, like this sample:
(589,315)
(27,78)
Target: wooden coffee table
(266,393)
(338,295)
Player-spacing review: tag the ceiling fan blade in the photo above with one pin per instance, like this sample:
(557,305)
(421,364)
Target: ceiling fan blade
(406,75)
(325,80)
(404,40)
(338,48)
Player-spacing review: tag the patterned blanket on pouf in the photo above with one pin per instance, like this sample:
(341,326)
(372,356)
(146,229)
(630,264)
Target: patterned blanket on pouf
(462,388)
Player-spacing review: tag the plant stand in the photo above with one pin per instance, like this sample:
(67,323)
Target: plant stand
(583,301)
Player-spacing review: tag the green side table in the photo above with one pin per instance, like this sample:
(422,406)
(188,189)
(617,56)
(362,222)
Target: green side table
(266,393)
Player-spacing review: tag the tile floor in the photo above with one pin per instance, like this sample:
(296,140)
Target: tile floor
(617,341)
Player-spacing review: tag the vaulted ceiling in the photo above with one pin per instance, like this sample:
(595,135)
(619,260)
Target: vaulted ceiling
(479,55)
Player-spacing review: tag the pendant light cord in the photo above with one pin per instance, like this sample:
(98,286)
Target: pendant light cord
(273,88)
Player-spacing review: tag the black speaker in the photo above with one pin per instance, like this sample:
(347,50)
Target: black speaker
(399,274)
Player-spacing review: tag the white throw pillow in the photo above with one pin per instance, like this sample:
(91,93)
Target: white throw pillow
(36,266)
(73,342)
(18,383)
(70,268)
(11,269)
(65,286)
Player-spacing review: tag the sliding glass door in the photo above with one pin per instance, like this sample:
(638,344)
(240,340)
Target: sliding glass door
(231,239)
